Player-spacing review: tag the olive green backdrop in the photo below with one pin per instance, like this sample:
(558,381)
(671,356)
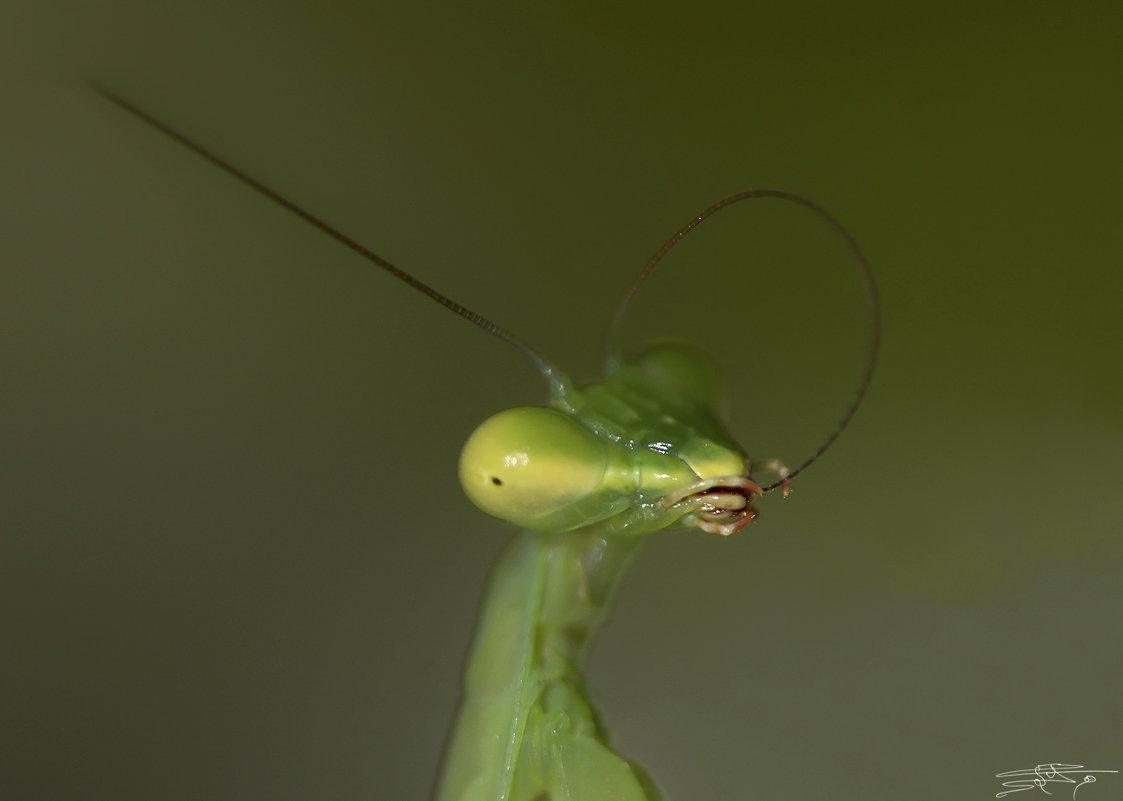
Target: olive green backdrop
(235,562)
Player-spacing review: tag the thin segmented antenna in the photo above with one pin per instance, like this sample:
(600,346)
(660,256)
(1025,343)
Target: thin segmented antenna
(558,384)
(613,332)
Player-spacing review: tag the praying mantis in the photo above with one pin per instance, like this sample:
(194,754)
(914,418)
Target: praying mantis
(586,477)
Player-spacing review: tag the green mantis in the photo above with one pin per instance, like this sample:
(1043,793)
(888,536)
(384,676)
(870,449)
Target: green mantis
(642,449)
(587,478)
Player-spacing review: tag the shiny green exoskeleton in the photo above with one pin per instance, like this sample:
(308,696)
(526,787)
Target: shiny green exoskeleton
(587,478)
(640,450)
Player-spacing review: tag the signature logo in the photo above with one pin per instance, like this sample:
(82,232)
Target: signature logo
(1047,775)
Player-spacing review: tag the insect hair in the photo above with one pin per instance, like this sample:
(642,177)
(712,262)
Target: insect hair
(553,378)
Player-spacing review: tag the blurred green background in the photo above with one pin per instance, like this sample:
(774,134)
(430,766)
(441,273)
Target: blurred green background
(235,562)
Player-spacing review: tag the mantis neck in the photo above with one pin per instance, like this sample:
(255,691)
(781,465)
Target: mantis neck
(582,569)
(525,727)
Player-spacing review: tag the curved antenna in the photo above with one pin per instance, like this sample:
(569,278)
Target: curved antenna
(612,358)
(558,383)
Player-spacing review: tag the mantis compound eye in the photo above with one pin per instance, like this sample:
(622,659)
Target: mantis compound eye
(528,465)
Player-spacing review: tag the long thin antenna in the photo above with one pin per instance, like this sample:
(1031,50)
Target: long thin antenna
(613,332)
(558,384)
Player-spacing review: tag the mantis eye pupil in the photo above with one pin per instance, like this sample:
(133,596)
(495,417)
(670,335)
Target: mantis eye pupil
(496,481)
